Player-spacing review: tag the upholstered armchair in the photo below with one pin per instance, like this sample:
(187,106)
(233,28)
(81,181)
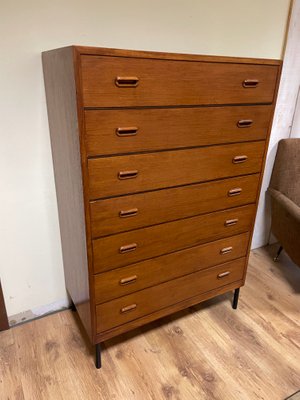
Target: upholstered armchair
(285,198)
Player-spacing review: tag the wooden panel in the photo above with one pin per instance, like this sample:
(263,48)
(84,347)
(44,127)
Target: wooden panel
(189,302)
(170,168)
(119,311)
(3,315)
(138,210)
(172,236)
(63,122)
(169,83)
(90,50)
(122,281)
(128,131)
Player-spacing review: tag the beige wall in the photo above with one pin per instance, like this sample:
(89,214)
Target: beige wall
(31,262)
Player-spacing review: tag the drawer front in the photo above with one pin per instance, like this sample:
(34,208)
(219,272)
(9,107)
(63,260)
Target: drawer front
(126,248)
(112,176)
(123,281)
(127,82)
(119,311)
(129,131)
(125,213)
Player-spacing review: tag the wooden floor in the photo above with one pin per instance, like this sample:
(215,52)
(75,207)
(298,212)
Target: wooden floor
(207,352)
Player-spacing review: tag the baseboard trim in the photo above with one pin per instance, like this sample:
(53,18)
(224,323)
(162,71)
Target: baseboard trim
(38,312)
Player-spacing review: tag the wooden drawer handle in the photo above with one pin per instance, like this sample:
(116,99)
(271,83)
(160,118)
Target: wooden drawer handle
(127,281)
(250,83)
(128,213)
(128,174)
(244,123)
(127,131)
(239,159)
(127,248)
(128,308)
(231,222)
(226,250)
(234,192)
(223,274)
(127,81)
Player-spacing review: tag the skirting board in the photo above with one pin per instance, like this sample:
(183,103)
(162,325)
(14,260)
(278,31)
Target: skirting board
(38,312)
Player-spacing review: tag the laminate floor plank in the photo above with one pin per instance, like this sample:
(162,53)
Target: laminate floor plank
(207,352)
(10,384)
(194,369)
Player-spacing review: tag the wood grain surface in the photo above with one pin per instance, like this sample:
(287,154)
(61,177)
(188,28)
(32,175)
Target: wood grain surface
(157,129)
(171,236)
(125,213)
(159,297)
(171,168)
(169,83)
(122,281)
(249,354)
(64,127)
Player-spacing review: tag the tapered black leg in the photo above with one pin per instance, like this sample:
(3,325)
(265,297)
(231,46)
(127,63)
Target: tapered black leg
(278,253)
(235,298)
(98,356)
(73,308)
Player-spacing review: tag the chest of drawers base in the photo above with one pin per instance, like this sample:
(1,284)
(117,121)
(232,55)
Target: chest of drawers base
(158,161)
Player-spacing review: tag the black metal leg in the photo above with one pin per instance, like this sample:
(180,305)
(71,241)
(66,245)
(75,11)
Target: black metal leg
(278,253)
(73,308)
(98,356)
(235,298)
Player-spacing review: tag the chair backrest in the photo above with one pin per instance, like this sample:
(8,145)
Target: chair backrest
(286,171)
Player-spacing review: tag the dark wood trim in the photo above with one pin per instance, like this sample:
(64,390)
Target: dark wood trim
(85,185)
(172,56)
(3,315)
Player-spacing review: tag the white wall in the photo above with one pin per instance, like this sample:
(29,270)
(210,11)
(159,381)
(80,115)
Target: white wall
(285,118)
(31,262)
(295,130)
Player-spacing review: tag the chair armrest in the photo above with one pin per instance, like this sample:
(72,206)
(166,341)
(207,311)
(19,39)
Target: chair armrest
(286,203)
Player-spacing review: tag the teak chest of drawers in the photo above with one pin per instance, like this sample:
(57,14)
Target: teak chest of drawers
(158,161)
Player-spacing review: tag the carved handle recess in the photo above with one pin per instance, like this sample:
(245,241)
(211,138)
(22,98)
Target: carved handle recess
(127,248)
(126,81)
(244,123)
(239,159)
(128,213)
(128,308)
(128,280)
(223,274)
(128,174)
(127,131)
(250,83)
(231,222)
(226,250)
(234,192)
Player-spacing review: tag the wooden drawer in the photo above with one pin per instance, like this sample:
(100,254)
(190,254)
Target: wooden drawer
(112,176)
(125,213)
(122,281)
(119,311)
(129,131)
(126,248)
(168,83)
